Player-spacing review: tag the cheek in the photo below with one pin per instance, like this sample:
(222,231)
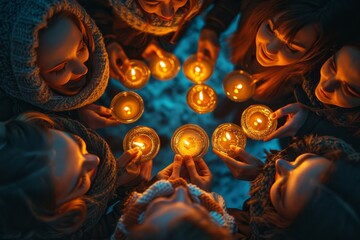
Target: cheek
(287,58)
(54,80)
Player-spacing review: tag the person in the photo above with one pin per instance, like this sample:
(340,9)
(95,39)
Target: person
(286,39)
(55,62)
(139,29)
(327,104)
(310,183)
(60,179)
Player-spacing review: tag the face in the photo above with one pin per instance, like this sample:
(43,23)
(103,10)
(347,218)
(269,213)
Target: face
(295,182)
(62,54)
(73,166)
(164,9)
(161,211)
(273,49)
(340,79)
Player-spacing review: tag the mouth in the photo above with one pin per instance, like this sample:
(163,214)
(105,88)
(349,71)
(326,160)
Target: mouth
(167,19)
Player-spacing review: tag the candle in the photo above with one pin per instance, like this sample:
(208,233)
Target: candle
(238,86)
(228,134)
(127,107)
(256,122)
(198,71)
(201,98)
(146,139)
(137,74)
(190,139)
(164,68)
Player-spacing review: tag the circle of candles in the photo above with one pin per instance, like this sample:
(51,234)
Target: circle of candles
(165,68)
(198,71)
(228,134)
(146,139)
(190,139)
(256,121)
(201,98)
(239,86)
(127,107)
(137,74)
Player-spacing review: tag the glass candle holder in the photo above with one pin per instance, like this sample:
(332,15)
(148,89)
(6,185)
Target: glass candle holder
(239,86)
(165,68)
(137,74)
(228,134)
(127,107)
(146,139)
(190,139)
(198,71)
(256,122)
(201,98)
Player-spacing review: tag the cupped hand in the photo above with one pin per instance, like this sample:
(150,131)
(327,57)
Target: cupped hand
(96,116)
(199,173)
(208,45)
(245,167)
(296,115)
(117,57)
(173,170)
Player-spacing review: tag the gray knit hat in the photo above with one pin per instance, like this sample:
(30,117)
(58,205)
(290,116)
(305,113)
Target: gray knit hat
(21,21)
(130,12)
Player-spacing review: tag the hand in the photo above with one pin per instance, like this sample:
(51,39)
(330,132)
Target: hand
(95,116)
(199,172)
(247,168)
(116,54)
(173,170)
(208,45)
(153,49)
(297,115)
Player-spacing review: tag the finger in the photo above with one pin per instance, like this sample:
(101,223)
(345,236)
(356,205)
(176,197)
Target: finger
(229,161)
(283,131)
(190,166)
(203,167)
(146,169)
(104,111)
(127,156)
(246,157)
(281,112)
(176,166)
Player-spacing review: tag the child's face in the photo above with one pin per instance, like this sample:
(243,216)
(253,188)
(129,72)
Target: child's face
(164,9)
(273,49)
(73,167)
(295,182)
(62,54)
(340,79)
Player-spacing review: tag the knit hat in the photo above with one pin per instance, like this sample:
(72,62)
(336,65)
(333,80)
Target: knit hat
(21,21)
(130,12)
(260,187)
(138,202)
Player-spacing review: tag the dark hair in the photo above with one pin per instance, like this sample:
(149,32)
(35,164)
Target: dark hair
(331,18)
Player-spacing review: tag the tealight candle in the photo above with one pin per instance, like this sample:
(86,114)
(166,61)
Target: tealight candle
(239,86)
(137,74)
(198,71)
(228,134)
(190,139)
(165,68)
(127,107)
(146,139)
(256,122)
(201,98)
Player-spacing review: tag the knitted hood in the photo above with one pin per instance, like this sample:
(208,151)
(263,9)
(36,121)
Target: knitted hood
(130,12)
(260,187)
(21,21)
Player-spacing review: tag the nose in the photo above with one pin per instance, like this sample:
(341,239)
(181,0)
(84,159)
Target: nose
(273,46)
(330,84)
(181,195)
(79,68)
(91,162)
(167,11)
(283,167)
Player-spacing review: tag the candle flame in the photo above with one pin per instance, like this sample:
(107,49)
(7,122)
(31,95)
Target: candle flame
(127,109)
(228,136)
(257,122)
(162,64)
(197,70)
(139,144)
(239,86)
(133,73)
(201,96)
(186,143)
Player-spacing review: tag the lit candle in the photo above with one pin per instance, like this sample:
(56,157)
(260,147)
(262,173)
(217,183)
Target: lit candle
(137,74)
(239,86)
(201,98)
(127,107)
(256,122)
(146,139)
(190,139)
(164,68)
(198,71)
(228,134)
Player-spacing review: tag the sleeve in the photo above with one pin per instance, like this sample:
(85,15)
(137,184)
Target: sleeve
(221,15)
